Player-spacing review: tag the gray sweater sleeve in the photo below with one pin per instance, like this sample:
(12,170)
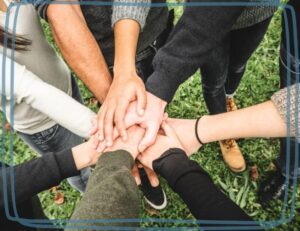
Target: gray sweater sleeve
(131,9)
(287,100)
(111,194)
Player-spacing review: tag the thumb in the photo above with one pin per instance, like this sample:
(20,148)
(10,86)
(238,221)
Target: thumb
(168,130)
(149,138)
(136,175)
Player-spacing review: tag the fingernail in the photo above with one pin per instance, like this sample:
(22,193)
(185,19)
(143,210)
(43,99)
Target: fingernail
(124,138)
(108,143)
(100,137)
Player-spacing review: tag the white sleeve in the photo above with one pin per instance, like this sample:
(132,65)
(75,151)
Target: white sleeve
(54,103)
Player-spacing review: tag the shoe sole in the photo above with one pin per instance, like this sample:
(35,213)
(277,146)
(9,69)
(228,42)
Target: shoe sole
(158,207)
(237,170)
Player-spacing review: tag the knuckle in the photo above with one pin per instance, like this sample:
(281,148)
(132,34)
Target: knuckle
(107,122)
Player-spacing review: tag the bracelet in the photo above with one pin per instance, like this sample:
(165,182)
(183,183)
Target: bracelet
(196,131)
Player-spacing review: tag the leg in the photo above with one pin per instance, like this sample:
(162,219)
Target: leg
(275,185)
(56,139)
(214,73)
(243,43)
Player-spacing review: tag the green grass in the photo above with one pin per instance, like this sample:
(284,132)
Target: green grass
(259,83)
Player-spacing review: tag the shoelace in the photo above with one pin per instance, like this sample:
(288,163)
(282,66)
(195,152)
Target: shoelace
(229,143)
(230,105)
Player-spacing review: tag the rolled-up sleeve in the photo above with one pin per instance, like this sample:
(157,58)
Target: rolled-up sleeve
(131,9)
(287,103)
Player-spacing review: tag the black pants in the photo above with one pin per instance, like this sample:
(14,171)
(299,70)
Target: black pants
(226,64)
(285,72)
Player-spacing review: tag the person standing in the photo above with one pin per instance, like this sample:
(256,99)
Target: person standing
(224,67)
(116,42)
(47,123)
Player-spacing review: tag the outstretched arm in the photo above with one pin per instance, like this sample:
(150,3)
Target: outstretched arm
(111,192)
(262,120)
(37,175)
(189,180)
(86,60)
(60,107)
(128,19)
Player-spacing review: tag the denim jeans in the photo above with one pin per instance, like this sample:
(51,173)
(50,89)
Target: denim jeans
(56,139)
(226,64)
(281,161)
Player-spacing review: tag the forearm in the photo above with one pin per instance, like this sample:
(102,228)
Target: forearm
(195,187)
(126,38)
(60,107)
(32,177)
(79,47)
(136,10)
(128,19)
(111,191)
(262,120)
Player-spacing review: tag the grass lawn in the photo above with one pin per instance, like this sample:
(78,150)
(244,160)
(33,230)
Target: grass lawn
(259,83)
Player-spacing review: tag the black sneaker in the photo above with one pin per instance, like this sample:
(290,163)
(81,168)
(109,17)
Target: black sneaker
(272,189)
(154,196)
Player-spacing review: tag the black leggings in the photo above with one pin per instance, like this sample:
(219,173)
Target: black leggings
(226,64)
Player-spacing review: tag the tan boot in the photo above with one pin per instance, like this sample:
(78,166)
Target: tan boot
(232,155)
(231,152)
(230,104)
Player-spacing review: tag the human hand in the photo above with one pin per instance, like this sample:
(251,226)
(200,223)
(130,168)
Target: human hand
(153,178)
(151,121)
(161,145)
(85,154)
(135,135)
(125,88)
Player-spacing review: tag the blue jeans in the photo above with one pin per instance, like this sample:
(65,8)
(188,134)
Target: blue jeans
(56,139)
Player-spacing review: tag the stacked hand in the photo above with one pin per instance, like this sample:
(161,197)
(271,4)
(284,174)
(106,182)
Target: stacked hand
(126,108)
(163,143)
(113,110)
(132,111)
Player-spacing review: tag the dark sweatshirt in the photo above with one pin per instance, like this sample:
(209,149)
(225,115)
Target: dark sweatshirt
(112,192)
(100,20)
(31,178)
(196,189)
(34,176)
(199,30)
